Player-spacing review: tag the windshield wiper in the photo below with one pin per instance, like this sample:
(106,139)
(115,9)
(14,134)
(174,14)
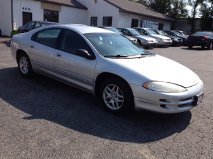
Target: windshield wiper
(117,56)
(145,53)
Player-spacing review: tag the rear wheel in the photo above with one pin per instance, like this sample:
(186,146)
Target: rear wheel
(116,95)
(189,46)
(210,46)
(24,65)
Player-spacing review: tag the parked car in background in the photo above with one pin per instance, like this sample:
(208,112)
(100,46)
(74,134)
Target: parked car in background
(181,32)
(134,40)
(174,33)
(33,24)
(176,41)
(201,38)
(145,41)
(123,76)
(162,40)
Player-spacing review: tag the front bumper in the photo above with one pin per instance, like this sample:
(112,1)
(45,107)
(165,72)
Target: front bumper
(165,43)
(169,102)
(150,45)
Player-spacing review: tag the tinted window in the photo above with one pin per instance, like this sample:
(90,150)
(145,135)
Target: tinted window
(72,42)
(142,31)
(151,32)
(30,25)
(37,25)
(134,32)
(47,37)
(126,32)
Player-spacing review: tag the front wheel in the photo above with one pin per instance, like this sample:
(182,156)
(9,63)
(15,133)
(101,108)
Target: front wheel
(116,95)
(24,65)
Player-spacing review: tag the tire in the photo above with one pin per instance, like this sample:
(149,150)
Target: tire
(116,96)
(210,46)
(24,65)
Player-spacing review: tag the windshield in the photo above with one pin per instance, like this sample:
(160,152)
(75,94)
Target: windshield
(134,32)
(177,33)
(47,24)
(162,33)
(114,45)
(151,32)
(114,30)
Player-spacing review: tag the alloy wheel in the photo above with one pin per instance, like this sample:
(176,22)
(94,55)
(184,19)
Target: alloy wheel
(113,97)
(24,65)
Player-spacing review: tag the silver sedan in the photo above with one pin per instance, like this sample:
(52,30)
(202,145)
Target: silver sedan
(123,76)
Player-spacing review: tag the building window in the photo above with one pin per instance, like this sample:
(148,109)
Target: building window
(134,23)
(93,21)
(107,21)
(160,26)
(51,16)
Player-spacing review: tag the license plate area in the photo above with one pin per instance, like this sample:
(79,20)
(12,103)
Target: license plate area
(198,99)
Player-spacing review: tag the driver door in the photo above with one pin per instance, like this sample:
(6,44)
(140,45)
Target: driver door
(71,67)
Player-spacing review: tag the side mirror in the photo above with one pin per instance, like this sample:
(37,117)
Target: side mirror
(85,54)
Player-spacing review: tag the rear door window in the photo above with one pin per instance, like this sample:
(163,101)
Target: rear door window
(47,37)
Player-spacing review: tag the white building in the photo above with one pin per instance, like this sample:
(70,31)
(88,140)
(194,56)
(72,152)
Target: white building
(116,13)
(124,13)
(15,13)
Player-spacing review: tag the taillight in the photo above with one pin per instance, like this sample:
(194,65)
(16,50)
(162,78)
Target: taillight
(205,38)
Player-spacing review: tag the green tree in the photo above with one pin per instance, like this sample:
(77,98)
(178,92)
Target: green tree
(207,15)
(178,9)
(194,4)
(172,8)
(162,6)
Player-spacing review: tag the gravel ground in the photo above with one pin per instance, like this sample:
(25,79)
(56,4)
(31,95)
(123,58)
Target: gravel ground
(42,118)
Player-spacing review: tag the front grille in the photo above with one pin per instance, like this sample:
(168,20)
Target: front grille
(169,103)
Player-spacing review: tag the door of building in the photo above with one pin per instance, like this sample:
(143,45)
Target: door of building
(160,27)
(27,17)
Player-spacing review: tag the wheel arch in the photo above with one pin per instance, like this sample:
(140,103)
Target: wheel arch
(103,76)
(19,52)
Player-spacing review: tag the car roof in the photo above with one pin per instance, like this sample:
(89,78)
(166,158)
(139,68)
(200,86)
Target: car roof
(84,29)
(146,28)
(46,22)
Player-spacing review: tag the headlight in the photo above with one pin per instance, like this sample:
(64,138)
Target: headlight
(166,40)
(159,40)
(174,39)
(164,87)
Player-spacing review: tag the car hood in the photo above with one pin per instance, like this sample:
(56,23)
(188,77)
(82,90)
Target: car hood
(158,68)
(148,38)
(160,36)
(173,37)
(130,37)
